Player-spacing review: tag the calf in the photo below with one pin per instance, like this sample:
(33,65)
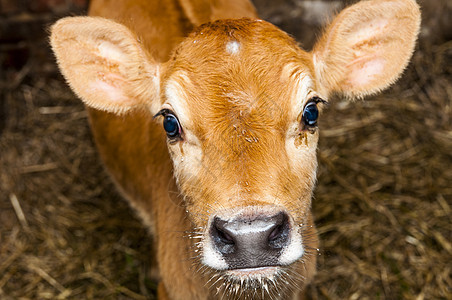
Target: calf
(206,118)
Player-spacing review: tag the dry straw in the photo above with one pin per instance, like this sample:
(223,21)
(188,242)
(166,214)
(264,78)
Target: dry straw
(382,204)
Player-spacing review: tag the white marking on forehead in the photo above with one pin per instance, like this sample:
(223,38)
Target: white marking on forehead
(233,47)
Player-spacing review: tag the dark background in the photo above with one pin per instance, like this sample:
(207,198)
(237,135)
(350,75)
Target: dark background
(382,204)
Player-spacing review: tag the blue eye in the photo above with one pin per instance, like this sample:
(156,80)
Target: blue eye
(171,126)
(310,114)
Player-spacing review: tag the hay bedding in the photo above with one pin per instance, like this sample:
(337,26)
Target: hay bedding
(382,204)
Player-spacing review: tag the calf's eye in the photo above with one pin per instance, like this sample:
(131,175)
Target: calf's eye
(310,114)
(171,126)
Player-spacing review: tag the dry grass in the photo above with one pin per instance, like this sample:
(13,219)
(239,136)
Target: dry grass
(382,205)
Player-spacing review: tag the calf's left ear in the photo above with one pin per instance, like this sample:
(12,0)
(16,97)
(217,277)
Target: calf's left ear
(105,64)
(366,47)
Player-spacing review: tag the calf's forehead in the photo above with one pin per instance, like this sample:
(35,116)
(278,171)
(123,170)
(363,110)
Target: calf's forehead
(237,72)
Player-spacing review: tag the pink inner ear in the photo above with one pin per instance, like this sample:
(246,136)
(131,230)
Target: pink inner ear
(110,83)
(111,52)
(110,86)
(367,32)
(365,71)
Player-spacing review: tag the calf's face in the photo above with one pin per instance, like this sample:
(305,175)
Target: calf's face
(242,131)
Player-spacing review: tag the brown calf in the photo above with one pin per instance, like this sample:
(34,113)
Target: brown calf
(225,183)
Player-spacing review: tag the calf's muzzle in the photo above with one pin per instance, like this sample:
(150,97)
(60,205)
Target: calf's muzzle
(251,241)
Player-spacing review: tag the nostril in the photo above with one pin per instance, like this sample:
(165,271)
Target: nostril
(279,235)
(275,234)
(224,236)
(221,237)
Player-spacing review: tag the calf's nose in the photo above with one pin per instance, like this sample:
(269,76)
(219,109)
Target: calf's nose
(251,242)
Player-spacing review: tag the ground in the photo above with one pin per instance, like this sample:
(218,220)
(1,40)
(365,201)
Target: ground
(382,203)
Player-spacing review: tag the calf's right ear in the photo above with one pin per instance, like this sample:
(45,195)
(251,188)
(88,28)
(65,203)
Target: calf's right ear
(105,64)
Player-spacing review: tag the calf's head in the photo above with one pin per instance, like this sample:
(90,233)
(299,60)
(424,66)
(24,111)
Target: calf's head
(240,102)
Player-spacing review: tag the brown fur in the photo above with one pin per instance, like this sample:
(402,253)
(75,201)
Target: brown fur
(241,110)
